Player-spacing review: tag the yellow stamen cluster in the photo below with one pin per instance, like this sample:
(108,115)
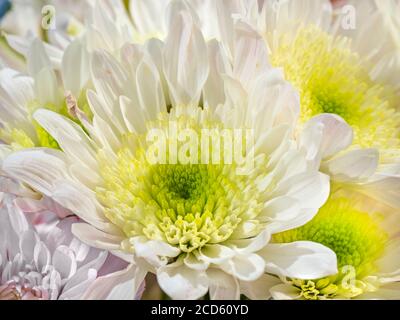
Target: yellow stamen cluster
(355,236)
(185,205)
(331,79)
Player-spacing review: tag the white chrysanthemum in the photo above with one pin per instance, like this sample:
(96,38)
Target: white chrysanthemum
(43,266)
(198,227)
(363,232)
(330,75)
(331,78)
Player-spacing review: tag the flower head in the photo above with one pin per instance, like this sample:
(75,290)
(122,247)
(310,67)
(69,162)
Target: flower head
(358,222)
(199,226)
(330,74)
(43,265)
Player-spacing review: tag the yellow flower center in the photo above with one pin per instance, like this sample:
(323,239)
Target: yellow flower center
(355,236)
(186,205)
(331,79)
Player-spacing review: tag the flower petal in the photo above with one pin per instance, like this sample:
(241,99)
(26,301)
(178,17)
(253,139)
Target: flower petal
(181,282)
(300,260)
(185,59)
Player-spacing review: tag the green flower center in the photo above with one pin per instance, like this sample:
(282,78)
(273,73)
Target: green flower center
(331,79)
(184,182)
(185,205)
(355,236)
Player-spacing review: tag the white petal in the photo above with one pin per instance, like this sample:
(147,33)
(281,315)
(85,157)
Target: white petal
(28,241)
(75,69)
(285,292)
(41,257)
(46,87)
(300,260)
(39,168)
(387,292)
(71,138)
(214,86)
(121,285)
(193,262)
(64,262)
(182,283)
(223,286)
(185,60)
(150,91)
(354,165)
(153,251)
(96,238)
(337,135)
(246,267)
(384,188)
(250,245)
(251,56)
(215,253)
(310,188)
(149,16)
(259,289)
(225,9)
(37,58)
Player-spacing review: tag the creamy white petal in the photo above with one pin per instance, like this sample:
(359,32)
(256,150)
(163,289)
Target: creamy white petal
(37,58)
(213,92)
(185,60)
(245,267)
(149,16)
(354,165)
(121,285)
(300,260)
(46,87)
(153,251)
(71,138)
(150,91)
(75,70)
(96,238)
(39,168)
(285,292)
(223,286)
(250,56)
(260,288)
(215,253)
(181,282)
(337,135)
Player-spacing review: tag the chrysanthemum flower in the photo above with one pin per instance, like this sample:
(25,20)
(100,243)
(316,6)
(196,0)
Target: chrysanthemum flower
(330,75)
(199,226)
(363,232)
(37,265)
(365,239)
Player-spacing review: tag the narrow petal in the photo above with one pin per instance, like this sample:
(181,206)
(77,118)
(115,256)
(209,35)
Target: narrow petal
(185,60)
(121,285)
